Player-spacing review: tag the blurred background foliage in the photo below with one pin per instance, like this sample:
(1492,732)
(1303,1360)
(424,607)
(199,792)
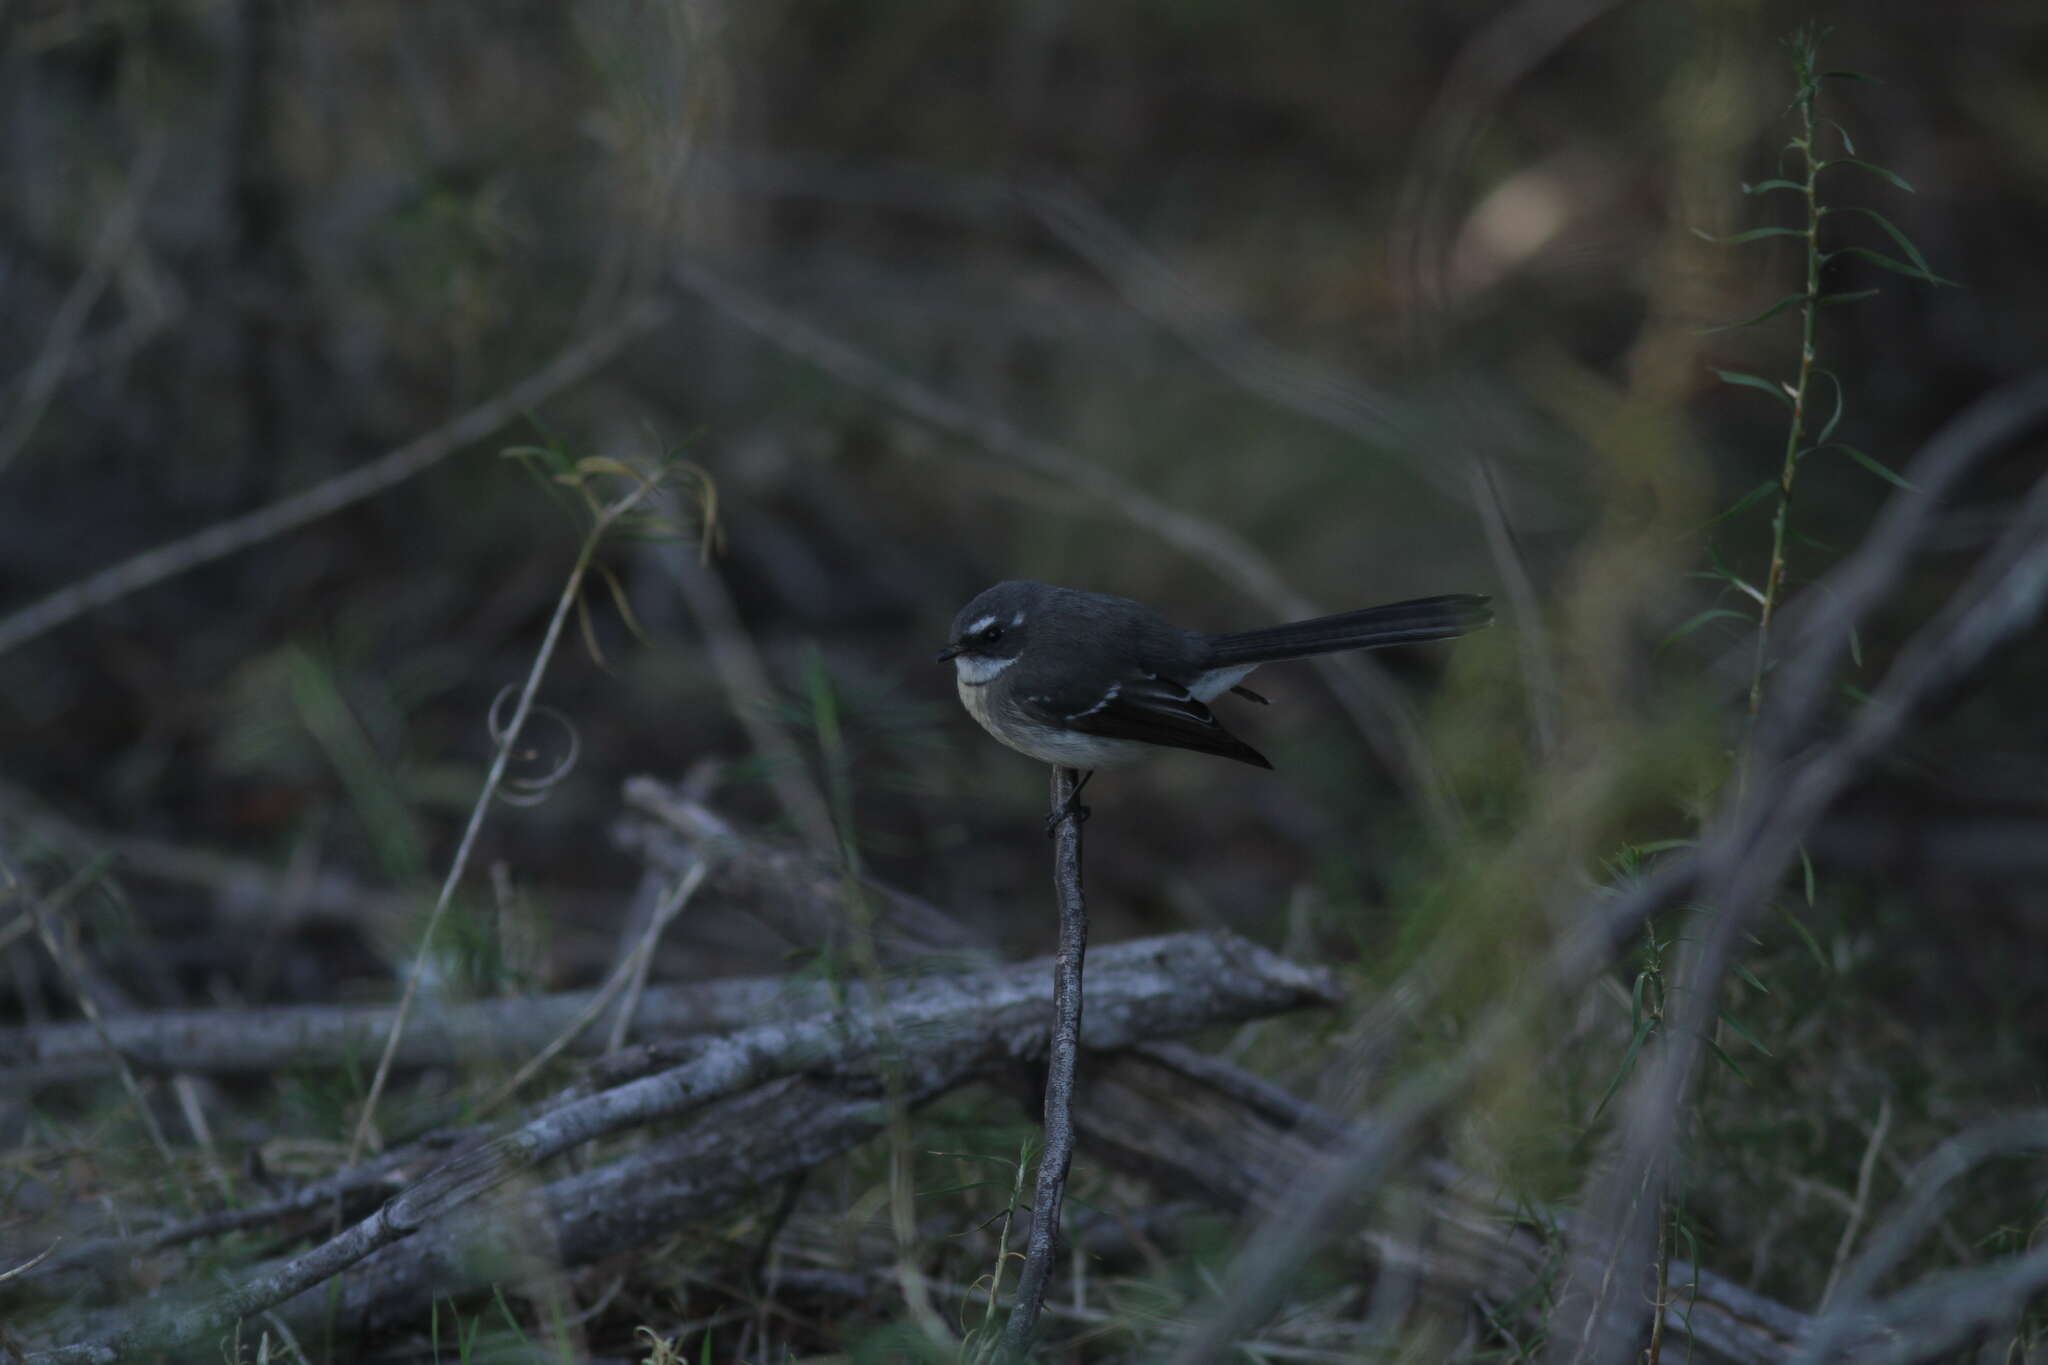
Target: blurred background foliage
(1457,240)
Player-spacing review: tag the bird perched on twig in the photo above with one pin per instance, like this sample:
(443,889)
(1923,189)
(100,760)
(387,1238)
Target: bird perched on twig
(1086,680)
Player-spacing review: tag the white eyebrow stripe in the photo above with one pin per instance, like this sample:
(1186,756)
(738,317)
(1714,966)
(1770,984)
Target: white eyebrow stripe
(1018,619)
(979,626)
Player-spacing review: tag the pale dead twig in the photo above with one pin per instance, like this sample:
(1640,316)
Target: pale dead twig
(251,1041)
(1924,1319)
(805,894)
(643,954)
(745,679)
(30,1264)
(630,973)
(573,364)
(346,1186)
(193,1109)
(43,916)
(1861,1204)
(116,235)
(944,1029)
(508,740)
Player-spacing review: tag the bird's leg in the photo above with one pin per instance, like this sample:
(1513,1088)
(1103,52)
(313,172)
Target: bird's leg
(1072,807)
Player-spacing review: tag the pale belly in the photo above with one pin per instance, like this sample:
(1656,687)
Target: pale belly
(1067,750)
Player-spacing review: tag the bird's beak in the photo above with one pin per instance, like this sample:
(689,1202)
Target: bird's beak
(945,655)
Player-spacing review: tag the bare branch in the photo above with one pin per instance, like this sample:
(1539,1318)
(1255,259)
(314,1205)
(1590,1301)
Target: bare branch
(116,236)
(745,679)
(574,364)
(1928,1318)
(444,1034)
(1752,844)
(944,1029)
(1058,1153)
(798,891)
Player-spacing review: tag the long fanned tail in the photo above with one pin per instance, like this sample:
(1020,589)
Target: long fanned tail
(1397,623)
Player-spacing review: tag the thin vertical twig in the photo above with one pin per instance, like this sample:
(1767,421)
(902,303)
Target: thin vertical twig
(642,956)
(1058,1153)
(116,237)
(45,916)
(737,662)
(1798,392)
(1655,1352)
(507,744)
(1861,1205)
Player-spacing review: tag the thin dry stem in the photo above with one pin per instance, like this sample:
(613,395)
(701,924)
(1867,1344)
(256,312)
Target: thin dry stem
(1058,1153)
(1860,1207)
(1801,390)
(571,591)
(643,953)
(575,363)
(53,944)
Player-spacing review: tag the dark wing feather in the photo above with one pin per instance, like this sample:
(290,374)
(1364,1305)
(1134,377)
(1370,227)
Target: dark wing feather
(1152,710)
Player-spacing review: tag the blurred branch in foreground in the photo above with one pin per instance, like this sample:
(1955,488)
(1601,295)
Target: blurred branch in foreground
(1740,856)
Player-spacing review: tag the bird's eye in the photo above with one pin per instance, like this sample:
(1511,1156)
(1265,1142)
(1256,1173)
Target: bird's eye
(991,635)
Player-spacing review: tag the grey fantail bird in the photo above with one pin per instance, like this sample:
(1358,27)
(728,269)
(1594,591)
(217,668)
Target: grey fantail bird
(1085,680)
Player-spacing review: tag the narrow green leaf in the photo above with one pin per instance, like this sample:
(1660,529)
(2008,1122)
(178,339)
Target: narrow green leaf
(1692,1243)
(1848,76)
(1848,143)
(1835,420)
(549,458)
(1876,467)
(1751,381)
(1741,504)
(1872,167)
(1891,230)
(1744,1034)
(1728,1061)
(1780,306)
(1806,869)
(1767,186)
(1628,1059)
(1806,936)
(1856,296)
(1878,258)
(1752,235)
(1711,614)
(1749,979)
(1666,845)
(1721,573)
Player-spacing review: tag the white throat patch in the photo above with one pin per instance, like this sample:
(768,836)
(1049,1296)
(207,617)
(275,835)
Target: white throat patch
(974,672)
